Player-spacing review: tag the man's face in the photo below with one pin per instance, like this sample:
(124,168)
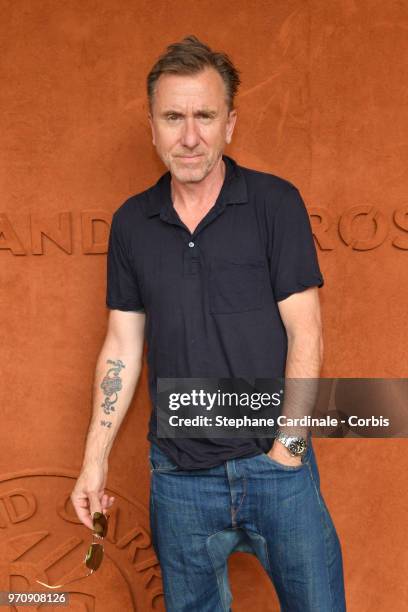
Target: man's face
(190,123)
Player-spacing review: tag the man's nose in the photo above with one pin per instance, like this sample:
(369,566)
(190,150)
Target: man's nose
(190,136)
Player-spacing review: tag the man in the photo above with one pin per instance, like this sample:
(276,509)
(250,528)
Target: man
(215,264)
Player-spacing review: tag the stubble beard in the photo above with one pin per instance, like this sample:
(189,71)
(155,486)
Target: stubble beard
(184,174)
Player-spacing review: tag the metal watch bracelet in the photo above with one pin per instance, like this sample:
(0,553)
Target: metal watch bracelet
(296,445)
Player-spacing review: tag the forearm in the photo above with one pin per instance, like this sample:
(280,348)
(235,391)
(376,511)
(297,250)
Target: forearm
(303,365)
(116,375)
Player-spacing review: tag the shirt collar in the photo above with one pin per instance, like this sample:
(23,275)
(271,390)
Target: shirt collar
(233,190)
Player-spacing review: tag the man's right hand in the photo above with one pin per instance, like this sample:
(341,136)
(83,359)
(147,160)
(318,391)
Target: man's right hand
(88,495)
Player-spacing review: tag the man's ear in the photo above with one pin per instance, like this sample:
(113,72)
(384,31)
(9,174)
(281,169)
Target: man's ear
(150,118)
(232,117)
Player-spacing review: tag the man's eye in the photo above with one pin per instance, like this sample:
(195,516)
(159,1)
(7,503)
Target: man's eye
(172,117)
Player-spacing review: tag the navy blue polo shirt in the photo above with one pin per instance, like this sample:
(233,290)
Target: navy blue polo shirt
(210,296)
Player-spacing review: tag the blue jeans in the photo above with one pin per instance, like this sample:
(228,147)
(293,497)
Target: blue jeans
(257,505)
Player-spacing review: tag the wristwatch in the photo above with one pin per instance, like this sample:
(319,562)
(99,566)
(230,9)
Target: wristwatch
(296,445)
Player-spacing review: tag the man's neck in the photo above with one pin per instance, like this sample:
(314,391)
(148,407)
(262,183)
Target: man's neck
(194,197)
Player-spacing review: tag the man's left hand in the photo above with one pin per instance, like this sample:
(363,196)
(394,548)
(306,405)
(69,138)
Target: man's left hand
(281,454)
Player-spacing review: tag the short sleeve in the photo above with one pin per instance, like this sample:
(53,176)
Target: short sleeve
(122,291)
(292,253)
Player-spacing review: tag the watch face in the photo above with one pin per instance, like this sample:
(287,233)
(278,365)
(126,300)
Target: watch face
(297,446)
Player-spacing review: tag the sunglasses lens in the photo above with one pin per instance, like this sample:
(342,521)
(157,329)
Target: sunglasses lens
(94,556)
(100,524)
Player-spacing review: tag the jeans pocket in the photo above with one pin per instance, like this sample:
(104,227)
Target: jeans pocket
(235,285)
(282,466)
(160,462)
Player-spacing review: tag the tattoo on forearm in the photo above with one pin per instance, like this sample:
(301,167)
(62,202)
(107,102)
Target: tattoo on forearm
(111,385)
(106,423)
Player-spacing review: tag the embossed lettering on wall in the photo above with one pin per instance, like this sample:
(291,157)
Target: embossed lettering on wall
(41,538)
(60,229)
(361,228)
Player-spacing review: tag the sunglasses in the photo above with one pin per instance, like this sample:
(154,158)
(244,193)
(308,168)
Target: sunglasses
(94,555)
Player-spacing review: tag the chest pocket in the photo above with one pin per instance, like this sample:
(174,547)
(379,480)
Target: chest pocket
(236,285)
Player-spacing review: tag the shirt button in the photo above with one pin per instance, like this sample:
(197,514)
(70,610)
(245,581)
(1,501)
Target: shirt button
(191,244)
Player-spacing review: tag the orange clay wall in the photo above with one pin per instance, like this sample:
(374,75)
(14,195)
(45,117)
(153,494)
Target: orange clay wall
(323,103)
